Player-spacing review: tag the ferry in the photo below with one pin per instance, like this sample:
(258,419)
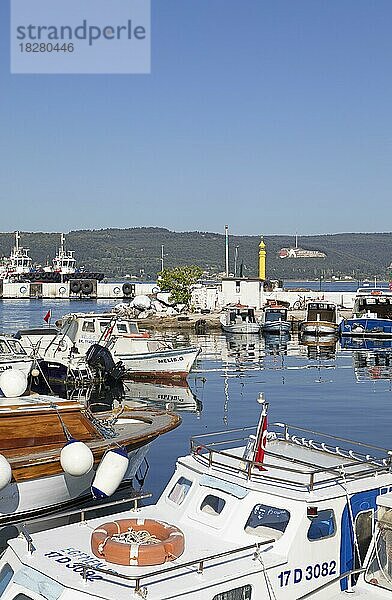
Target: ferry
(372,314)
(253,513)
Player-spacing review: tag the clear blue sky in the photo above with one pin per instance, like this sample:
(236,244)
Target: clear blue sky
(273,116)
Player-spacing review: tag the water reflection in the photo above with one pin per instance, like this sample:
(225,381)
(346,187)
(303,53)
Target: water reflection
(320,347)
(176,396)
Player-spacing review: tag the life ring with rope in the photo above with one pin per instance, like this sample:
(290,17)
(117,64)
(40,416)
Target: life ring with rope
(139,542)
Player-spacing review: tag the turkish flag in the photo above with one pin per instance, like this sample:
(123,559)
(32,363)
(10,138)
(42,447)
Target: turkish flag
(48,316)
(261,443)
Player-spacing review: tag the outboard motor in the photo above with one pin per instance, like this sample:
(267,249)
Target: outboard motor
(100,358)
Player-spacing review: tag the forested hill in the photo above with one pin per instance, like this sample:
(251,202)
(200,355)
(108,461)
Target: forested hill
(117,252)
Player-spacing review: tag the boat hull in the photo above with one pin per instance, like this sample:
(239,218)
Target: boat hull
(318,328)
(22,364)
(45,495)
(241,328)
(277,327)
(377,328)
(168,364)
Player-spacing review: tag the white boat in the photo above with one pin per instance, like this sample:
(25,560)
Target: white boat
(14,356)
(18,263)
(239,318)
(321,318)
(64,262)
(230,524)
(141,355)
(274,320)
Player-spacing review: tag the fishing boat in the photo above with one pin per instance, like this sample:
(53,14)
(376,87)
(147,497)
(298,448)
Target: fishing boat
(372,314)
(119,340)
(14,356)
(373,581)
(239,318)
(321,318)
(254,513)
(274,320)
(53,451)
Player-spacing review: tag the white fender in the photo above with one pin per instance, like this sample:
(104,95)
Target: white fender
(13,383)
(110,473)
(76,458)
(5,472)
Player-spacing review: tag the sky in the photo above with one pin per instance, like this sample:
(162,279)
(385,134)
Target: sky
(271,116)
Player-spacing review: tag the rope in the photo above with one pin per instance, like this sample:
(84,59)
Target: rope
(268,584)
(135,537)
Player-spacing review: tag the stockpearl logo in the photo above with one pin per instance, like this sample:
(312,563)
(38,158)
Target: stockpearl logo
(80,36)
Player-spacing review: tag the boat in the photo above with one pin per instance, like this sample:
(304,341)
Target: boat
(14,356)
(372,314)
(254,513)
(373,581)
(239,318)
(37,432)
(19,266)
(18,263)
(119,340)
(274,319)
(321,318)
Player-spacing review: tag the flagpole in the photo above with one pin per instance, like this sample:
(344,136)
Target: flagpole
(259,446)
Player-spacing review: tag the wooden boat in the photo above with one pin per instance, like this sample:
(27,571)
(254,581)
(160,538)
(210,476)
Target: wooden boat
(321,318)
(239,318)
(33,435)
(256,525)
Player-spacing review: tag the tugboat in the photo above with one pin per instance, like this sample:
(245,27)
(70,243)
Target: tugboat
(19,267)
(259,513)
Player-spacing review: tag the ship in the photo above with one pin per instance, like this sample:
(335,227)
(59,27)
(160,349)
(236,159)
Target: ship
(19,266)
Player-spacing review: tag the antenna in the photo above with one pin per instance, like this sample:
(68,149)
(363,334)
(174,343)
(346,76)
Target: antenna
(227,249)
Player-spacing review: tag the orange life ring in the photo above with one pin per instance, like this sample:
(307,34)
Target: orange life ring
(171,543)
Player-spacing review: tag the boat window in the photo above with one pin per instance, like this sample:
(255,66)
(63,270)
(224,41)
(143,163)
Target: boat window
(237,287)
(122,328)
(6,575)
(379,571)
(322,526)
(22,597)
(104,326)
(267,521)
(88,326)
(180,490)
(240,593)
(4,349)
(16,347)
(213,505)
(133,328)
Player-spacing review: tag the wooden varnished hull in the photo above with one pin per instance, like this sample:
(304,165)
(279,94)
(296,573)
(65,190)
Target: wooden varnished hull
(32,444)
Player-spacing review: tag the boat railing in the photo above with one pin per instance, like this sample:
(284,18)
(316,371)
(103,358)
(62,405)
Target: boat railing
(32,517)
(359,460)
(199,562)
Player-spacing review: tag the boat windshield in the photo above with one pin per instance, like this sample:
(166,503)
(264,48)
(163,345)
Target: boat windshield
(379,571)
(321,312)
(381,306)
(16,347)
(4,348)
(273,316)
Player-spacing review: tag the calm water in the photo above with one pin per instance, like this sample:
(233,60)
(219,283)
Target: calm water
(343,391)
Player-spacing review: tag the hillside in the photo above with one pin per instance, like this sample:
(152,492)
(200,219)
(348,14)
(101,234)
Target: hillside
(135,251)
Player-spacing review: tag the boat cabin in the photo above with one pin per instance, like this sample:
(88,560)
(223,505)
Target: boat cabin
(376,303)
(240,314)
(275,313)
(321,311)
(252,529)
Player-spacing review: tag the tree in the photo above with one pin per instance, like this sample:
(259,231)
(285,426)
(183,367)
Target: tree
(179,281)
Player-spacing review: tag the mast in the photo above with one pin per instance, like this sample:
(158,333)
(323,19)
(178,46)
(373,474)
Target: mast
(227,249)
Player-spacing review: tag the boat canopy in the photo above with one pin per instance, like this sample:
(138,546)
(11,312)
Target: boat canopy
(321,311)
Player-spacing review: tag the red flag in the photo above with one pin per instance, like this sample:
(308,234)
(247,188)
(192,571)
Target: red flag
(48,316)
(261,439)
